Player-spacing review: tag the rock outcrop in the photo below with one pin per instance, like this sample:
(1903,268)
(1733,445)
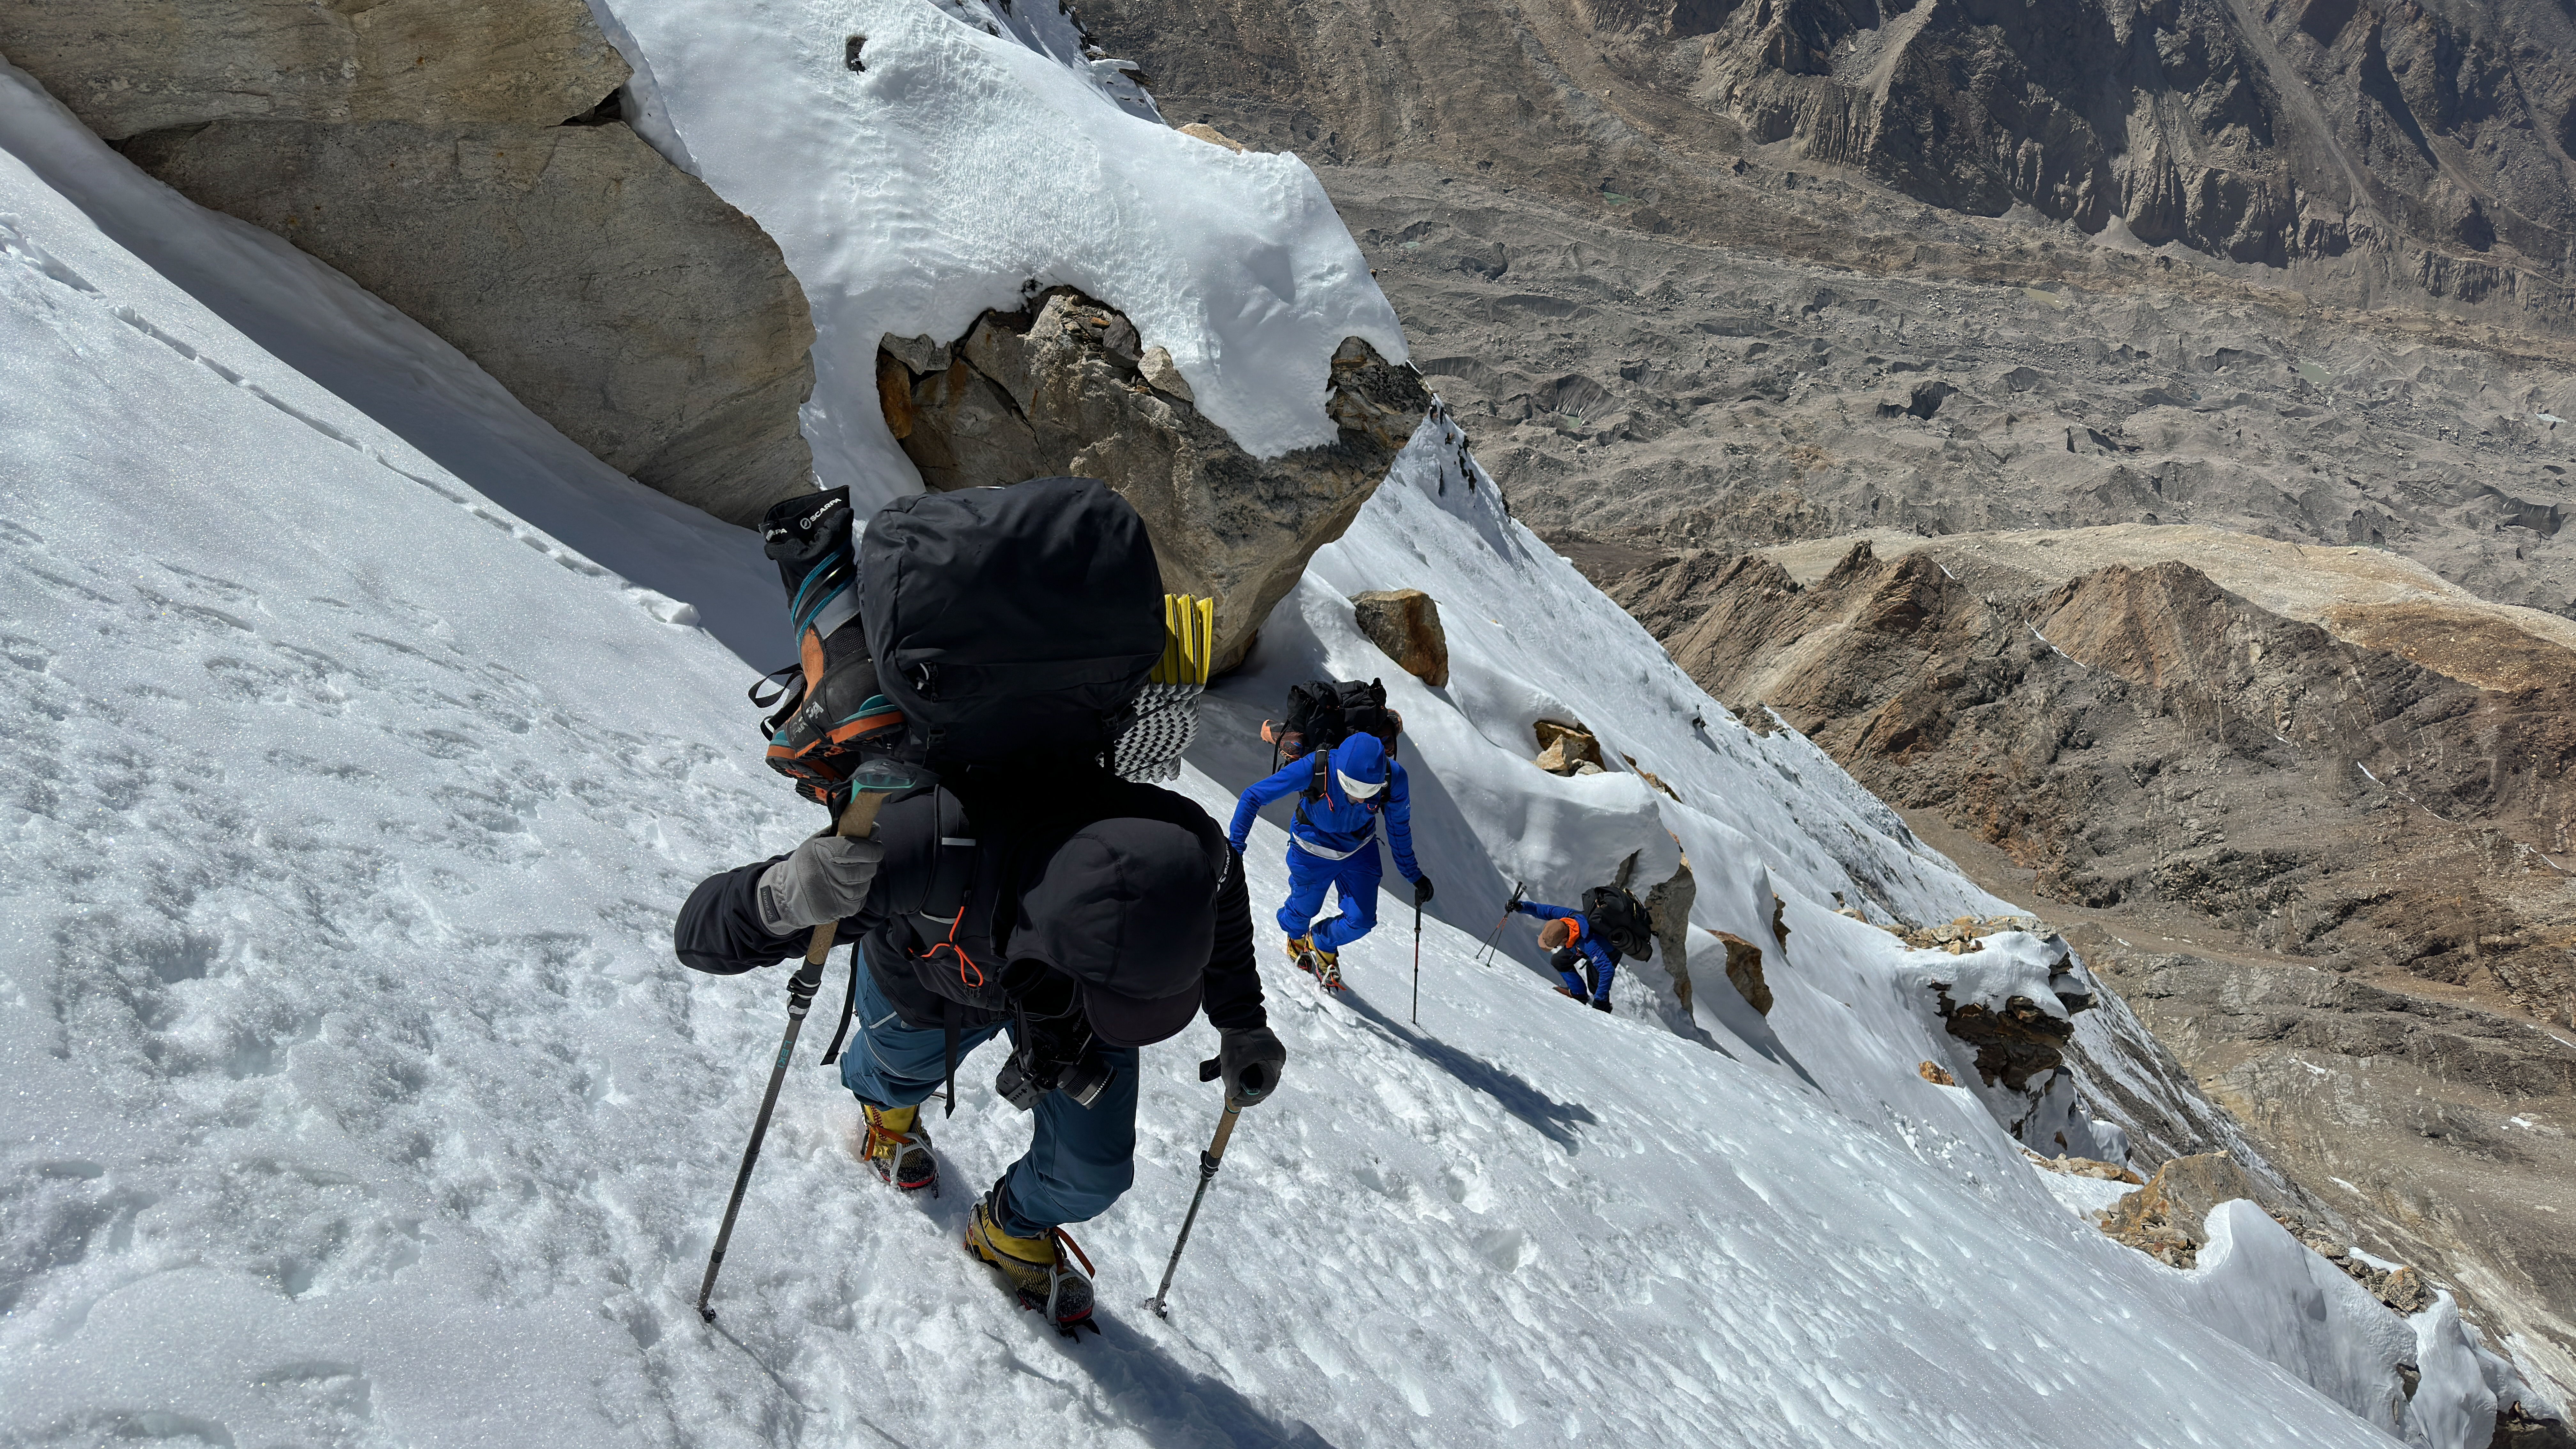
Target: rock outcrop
(610,291)
(1668,908)
(466,163)
(1744,971)
(1060,387)
(1566,749)
(130,66)
(1405,623)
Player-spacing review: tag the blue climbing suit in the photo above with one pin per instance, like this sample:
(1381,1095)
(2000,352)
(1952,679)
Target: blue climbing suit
(1604,961)
(1333,841)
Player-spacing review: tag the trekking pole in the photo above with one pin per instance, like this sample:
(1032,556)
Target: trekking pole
(1208,1160)
(1417,963)
(1484,955)
(858,819)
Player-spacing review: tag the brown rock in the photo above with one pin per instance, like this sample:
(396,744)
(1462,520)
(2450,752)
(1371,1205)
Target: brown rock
(616,295)
(2168,1218)
(1744,969)
(1936,1074)
(130,66)
(1210,134)
(2013,1045)
(1405,623)
(1565,748)
(1061,388)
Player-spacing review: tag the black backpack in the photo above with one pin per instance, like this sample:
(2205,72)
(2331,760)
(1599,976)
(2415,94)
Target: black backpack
(1324,712)
(1013,621)
(1622,922)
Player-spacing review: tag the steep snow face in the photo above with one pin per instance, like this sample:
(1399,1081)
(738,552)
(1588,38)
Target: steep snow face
(357,1097)
(969,161)
(393,370)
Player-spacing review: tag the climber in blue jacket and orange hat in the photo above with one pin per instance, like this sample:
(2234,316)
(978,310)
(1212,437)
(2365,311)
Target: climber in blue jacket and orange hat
(1569,935)
(1347,789)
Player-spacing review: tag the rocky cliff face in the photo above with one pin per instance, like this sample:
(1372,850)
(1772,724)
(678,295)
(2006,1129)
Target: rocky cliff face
(466,163)
(2425,148)
(1063,386)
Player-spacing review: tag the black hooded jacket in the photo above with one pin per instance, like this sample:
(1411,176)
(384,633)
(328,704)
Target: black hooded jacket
(983,834)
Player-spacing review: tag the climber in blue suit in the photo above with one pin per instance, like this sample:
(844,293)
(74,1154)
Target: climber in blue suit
(1574,944)
(1347,788)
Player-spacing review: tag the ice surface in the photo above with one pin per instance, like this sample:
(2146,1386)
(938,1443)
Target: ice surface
(960,167)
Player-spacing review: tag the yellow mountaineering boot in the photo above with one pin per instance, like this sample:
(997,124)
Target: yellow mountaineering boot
(1038,1268)
(898,1147)
(1324,966)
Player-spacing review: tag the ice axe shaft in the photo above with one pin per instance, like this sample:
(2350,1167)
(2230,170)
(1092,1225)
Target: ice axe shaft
(1209,1070)
(1417,963)
(858,819)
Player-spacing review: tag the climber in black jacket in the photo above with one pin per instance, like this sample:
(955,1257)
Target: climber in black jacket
(1083,914)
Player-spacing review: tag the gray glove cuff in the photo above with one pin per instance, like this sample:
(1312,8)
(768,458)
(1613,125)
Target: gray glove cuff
(825,880)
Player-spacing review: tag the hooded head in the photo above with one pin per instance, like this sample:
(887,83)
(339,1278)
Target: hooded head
(1127,908)
(1360,763)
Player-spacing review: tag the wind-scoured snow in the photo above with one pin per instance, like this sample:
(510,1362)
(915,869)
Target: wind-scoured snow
(356,1097)
(962,166)
(395,371)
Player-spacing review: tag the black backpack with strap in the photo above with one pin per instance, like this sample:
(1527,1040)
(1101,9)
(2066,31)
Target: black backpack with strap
(1012,622)
(1324,712)
(1621,921)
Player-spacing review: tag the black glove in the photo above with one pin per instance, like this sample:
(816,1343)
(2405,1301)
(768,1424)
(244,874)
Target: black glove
(1422,890)
(825,880)
(1249,1060)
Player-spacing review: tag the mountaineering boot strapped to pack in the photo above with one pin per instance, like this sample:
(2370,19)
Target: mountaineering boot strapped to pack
(1039,1269)
(898,1147)
(828,708)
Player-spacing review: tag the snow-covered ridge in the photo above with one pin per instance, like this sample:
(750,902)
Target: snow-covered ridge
(358,1098)
(962,166)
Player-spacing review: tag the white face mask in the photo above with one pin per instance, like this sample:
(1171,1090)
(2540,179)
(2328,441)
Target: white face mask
(1358,789)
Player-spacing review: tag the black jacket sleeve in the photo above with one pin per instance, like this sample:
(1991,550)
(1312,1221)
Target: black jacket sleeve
(1230,992)
(719,930)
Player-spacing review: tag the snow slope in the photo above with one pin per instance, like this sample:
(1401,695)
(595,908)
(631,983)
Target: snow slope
(357,1099)
(392,369)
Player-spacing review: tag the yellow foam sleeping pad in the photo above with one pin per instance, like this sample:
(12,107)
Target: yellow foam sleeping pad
(1189,641)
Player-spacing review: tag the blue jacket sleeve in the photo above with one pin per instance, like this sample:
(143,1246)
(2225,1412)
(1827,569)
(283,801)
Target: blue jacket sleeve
(1546,912)
(1291,779)
(1399,821)
(1601,957)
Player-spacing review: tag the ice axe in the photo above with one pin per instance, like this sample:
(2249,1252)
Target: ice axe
(1209,1071)
(870,787)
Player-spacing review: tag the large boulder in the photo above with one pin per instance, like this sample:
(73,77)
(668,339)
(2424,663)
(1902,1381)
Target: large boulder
(129,66)
(423,148)
(613,293)
(1064,387)
(1405,624)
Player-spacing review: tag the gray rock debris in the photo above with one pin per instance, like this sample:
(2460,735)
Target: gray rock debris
(1061,388)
